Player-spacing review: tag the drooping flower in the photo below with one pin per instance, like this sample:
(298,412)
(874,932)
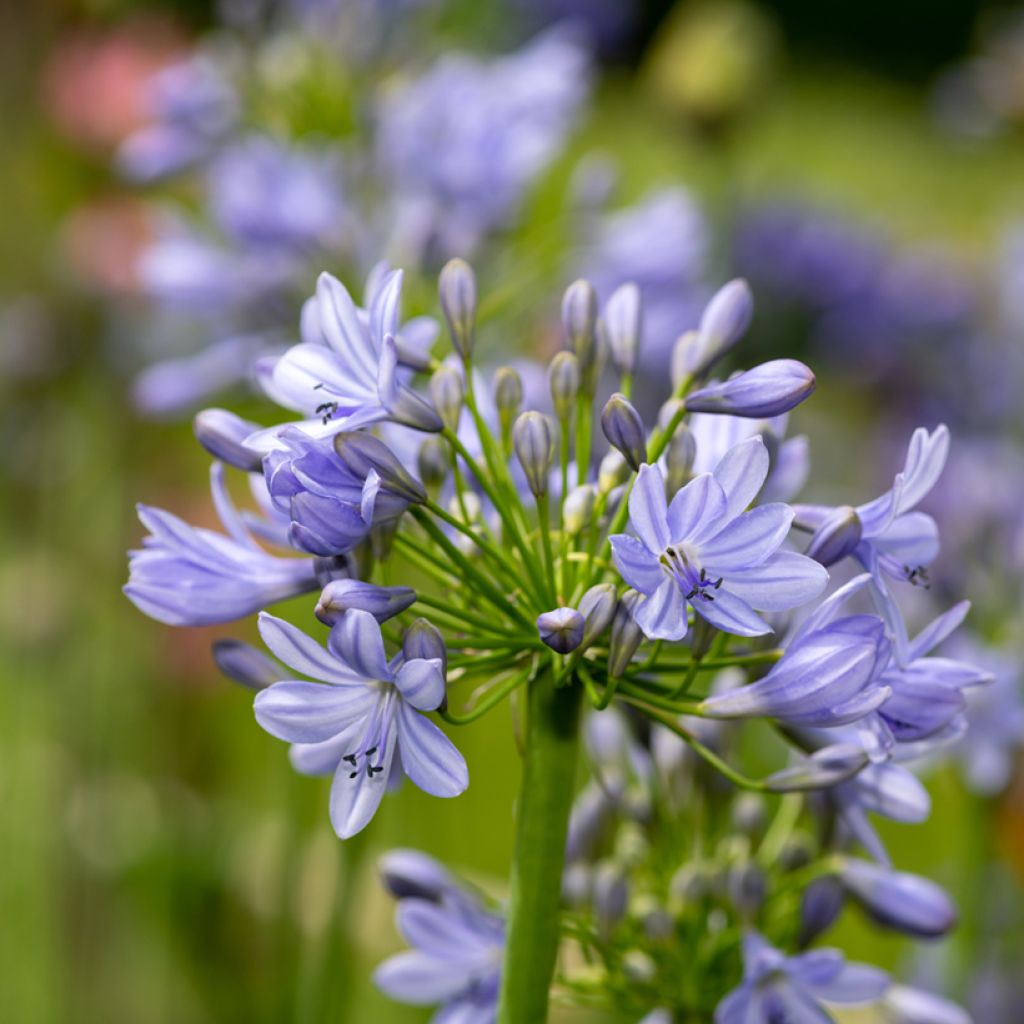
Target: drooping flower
(829,675)
(362,719)
(795,989)
(705,551)
(345,373)
(886,535)
(190,576)
(457,943)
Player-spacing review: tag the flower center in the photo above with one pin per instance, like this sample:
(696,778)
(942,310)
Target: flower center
(682,563)
(374,741)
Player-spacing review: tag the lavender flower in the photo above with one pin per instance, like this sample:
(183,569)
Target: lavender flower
(896,899)
(188,576)
(904,1005)
(767,390)
(776,987)
(458,946)
(362,720)
(705,551)
(344,375)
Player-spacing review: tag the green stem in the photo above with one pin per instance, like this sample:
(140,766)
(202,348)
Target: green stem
(545,799)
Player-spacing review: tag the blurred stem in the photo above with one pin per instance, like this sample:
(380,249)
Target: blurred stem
(545,799)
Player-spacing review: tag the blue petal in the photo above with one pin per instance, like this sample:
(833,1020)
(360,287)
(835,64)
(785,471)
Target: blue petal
(302,653)
(355,796)
(636,563)
(787,580)
(357,641)
(731,614)
(742,473)
(421,682)
(311,712)
(701,501)
(430,759)
(648,509)
(662,614)
(420,979)
(749,540)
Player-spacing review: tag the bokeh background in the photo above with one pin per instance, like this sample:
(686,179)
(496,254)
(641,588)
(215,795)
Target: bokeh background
(862,164)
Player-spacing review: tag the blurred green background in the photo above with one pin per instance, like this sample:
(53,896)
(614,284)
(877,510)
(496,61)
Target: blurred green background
(159,861)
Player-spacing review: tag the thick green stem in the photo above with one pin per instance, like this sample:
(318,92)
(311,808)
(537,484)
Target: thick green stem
(545,799)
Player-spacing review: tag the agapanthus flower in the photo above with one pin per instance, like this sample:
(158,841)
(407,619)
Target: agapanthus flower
(706,552)
(902,1004)
(796,989)
(190,576)
(886,535)
(345,373)
(829,675)
(899,900)
(458,943)
(362,719)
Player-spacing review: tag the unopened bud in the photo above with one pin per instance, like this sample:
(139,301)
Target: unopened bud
(624,430)
(613,471)
(688,886)
(836,537)
(423,640)
(824,768)
(597,606)
(904,1005)
(578,509)
(579,320)
(626,634)
(679,459)
(621,326)
(684,355)
(564,381)
(746,884)
(246,665)
(821,904)
(726,318)
(508,396)
(457,288)
(638,967)
(609,895)
(363,453)
(748,814)
(534,443)
(223,434)
(767,390)
(382,603)
(561,629)
(899,900)
(432,463)
(448,391)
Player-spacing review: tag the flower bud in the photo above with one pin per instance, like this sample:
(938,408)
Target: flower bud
(609,895)
(612,472)
(579,320)
(825,767)
(382,603)
(624,429)
(748,814)
(457,288)
(836,537)
(403,405)
(626,634)
(597,606)
(535,447)
(508,396)
(904,1005)
(578,509)
(423,640)
(564,381)
(448,392)
(432,463)
(621,326)
(797,852)
(821,904)
(247,665)
(561,629)
(684,356)
(657,921)
(577,882)
(767,390)
(223,435)
(679,459)
(899,900)
(689,885)
(746,885)
(363,453)
(638,967)
(409,874)
(726,318)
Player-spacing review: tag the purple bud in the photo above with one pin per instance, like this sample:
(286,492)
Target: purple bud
(767,390)
(564,381)
(535,446)
(222,434)
(457,288)
(423,640)
(409,874)
(826,767)
(899,900)
(748,814)
(746,886)
(561,629)
(579,320)
(679,459)
(597,606)
(685,356)
(836,537)
(245,664)
(448,392)
(610,894)
(508,395)
(626,634)
(621,326)
(382,603)
(726,318)
(363,453)
(624,429)
(821,904)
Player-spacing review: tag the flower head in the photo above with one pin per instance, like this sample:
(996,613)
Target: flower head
(362,720)
(706,552)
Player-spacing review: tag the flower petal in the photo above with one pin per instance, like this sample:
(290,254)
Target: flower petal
(648,509)
(731,614)
(741,474)
(430,759)
(357,641)
(750,539)
(697,504)
(421,682)
(638,566)
(310,712)
(662,614)
(356,793)
(302,652)
(787,580)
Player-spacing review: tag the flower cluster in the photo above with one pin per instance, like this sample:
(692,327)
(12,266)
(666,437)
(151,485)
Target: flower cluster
(558,552)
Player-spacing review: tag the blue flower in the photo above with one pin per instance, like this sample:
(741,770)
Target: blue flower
(362,720)
(829,675)
(793,989)
(704,550)
(458,946)
(189,576)
(345,373)
(886,535)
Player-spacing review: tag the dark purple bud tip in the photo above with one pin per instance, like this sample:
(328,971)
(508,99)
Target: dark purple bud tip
(561,629)
(837,536)
(624,429)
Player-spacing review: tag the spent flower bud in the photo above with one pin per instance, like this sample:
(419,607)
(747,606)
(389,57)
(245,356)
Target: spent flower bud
(624,430)
(448,391)
(457,288)
(621,326)
(767,390)
(564,381)
(561,629)
(223,434)
(534,443)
